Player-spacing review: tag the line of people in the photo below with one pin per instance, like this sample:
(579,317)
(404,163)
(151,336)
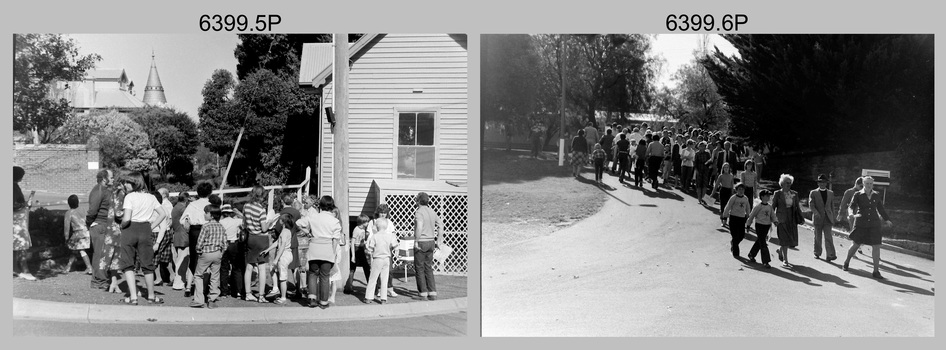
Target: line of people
(731,172)
(132,231)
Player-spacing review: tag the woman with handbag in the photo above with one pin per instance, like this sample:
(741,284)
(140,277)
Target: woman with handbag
(788,216)
(866,205)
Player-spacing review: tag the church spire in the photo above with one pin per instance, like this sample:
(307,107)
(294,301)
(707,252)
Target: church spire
(154,91)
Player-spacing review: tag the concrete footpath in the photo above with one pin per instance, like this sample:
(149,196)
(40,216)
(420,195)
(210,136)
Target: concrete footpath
(29,309)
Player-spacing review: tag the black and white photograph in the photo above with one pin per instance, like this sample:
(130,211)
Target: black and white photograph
(222,184)
(707,185)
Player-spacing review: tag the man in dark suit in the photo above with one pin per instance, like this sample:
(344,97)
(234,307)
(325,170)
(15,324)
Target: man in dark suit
(726,155)
(821,202)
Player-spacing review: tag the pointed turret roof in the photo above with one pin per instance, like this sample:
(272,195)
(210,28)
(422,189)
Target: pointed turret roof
(154,91)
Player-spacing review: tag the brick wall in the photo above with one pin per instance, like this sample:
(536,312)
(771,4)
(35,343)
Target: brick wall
(62,169)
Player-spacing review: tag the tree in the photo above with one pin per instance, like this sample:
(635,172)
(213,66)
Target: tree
(173,136)
(40,61)
(828,93)
(667,103)
(510,82)
(121,141)
(701,103)
(279,53)
(833,94)
(263,104)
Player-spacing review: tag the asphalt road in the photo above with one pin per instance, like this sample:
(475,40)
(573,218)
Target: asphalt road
(433,325)
(658,264)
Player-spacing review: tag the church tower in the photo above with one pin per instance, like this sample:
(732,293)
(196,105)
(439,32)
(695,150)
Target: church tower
(154,92)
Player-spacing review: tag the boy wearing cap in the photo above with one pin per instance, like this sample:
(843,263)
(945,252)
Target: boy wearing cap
(764,216)
(232,264)
(821,202)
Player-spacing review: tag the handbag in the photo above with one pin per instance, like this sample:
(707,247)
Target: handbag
(442,252)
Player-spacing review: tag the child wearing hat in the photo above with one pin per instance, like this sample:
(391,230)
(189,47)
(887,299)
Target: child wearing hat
(764,216)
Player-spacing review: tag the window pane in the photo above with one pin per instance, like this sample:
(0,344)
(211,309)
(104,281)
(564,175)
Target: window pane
(425,163)
(407,129)
(425,129)
(406,162)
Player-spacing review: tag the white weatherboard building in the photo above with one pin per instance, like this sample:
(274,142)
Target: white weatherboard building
(407,125)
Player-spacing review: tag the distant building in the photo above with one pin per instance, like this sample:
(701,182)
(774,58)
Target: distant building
(101,89)
(111,89)
(154,91)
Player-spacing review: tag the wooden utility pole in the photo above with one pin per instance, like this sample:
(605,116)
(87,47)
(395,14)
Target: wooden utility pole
(223,183)
(340,132)
(561,72)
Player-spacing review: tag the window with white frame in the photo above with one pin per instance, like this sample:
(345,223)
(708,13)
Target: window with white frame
(416,151)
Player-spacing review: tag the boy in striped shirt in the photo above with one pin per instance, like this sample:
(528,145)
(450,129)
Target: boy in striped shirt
(211,244)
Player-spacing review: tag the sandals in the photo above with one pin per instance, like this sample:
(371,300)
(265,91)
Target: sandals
(251,298)
(156,300)
(281,301)
(130,301)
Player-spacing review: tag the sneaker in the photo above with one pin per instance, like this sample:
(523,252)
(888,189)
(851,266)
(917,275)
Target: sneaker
(212,305)
(767,265)
(382,301)
(27,276)
(281,301)
(432,297)
(391,293)
(421,298)
(197,305)
(831,258)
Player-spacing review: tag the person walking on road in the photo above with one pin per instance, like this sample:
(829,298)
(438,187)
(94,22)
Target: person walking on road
(623,148)
(821,202)
(655,157)
(764,217)
(687,155)
(607,144)
(702,168)
(599,158)
(788,215)
(579,153)
(751,179)
(844,214)
(591,135)
(640,160)
(724,185)
(737,210)
(866,205)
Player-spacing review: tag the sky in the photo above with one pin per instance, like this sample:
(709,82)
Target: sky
(185,61)
(678,49)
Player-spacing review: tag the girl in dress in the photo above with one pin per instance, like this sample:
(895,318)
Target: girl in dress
(77,235)
(788,216)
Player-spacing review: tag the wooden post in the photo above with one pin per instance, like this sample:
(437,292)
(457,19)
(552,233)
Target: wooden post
(340,144)
(223,183)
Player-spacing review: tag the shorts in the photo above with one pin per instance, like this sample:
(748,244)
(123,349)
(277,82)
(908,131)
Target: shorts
(283,265)
(136,244)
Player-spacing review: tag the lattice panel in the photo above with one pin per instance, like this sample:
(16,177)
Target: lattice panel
(452,210)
